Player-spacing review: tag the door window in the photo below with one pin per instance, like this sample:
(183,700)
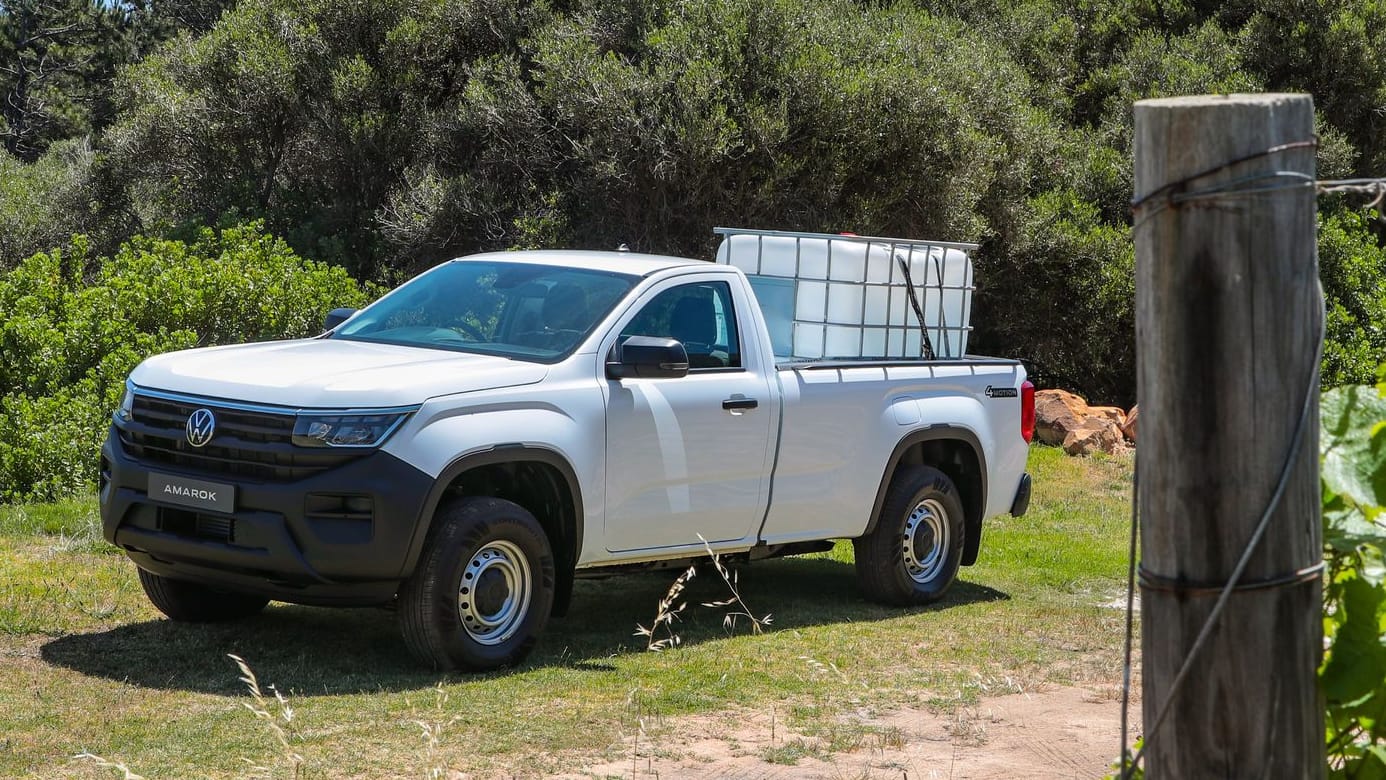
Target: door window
(700,316)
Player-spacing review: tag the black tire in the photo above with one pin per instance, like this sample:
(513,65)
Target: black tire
(912,555)
(189,602)
(495,552)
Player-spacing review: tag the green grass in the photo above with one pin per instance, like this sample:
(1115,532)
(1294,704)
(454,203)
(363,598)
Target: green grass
(87,665)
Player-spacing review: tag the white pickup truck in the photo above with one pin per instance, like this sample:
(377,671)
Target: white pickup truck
(467,445)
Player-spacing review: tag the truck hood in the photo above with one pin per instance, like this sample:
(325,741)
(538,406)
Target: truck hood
(330,373)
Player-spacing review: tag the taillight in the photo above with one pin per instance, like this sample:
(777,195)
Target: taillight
(1027,410)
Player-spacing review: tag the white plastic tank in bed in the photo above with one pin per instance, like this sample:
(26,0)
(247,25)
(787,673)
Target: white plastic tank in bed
(843,297)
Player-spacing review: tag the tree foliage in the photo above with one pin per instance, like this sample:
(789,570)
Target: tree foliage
(57,60)
(1067,294)
(1331,49)
(366,141)
(44,202)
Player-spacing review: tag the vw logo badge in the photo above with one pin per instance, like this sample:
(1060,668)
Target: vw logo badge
(201,426)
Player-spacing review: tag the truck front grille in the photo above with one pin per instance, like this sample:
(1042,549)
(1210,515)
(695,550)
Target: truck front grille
(255,445)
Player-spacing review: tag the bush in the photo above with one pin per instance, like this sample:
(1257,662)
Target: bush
(1063,300)
(72,327)
(1352,267)
(44,202)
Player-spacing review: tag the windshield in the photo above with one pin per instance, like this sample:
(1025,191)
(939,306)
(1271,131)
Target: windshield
(518,310)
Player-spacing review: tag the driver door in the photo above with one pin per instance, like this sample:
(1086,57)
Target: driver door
(688,456)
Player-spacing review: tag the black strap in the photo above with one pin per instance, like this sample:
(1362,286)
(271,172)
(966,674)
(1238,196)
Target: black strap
(926,347)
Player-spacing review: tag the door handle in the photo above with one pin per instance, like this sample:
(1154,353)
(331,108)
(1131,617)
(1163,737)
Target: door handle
(740,402)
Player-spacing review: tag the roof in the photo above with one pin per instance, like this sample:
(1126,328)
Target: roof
(619,262)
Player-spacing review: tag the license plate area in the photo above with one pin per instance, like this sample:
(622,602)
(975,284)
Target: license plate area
(194,493)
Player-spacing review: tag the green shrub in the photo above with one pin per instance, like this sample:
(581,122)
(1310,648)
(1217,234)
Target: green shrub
(72,327)
(44,202)
(1063,299)
(1352,266)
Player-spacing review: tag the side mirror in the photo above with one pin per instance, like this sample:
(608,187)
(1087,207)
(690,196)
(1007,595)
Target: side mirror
(647,357)
(337,317)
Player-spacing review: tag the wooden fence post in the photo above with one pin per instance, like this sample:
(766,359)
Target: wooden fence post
(1227,325)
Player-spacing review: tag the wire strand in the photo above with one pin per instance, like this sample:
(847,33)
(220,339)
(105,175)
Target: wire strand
(1130,618)
(1175,185)
(1375,187)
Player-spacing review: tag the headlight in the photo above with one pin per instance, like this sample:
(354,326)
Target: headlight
(345,430)
(127,404)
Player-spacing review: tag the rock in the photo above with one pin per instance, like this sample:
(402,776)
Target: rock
(1113,413)
(1129,427)
(1097,434)
(1057,414)
(1066,420)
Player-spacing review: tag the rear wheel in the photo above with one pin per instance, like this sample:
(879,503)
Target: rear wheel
(192,603)
(913,553)
(483,591)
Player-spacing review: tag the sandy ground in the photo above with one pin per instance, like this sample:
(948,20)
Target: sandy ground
(1053,733)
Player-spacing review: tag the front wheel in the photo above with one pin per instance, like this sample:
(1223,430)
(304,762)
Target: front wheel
(913,553)
(483,591)
(189,602)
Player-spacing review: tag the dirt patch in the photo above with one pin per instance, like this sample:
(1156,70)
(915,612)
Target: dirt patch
(1053,733)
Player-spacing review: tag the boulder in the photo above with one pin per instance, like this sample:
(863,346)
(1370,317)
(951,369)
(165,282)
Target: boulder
(1113,413)
(1097,434)
(1057,414)
(1064,419)
(1129,427)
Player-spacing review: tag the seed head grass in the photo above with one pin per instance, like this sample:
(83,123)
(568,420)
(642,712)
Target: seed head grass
(280,722)
(671,605)
(666,613)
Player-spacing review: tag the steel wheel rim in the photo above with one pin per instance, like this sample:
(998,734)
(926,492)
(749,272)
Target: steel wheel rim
(493,597)
(926,528)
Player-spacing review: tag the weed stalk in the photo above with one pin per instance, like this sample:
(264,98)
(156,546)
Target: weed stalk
(260,709)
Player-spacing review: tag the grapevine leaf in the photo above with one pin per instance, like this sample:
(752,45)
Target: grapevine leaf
(1346,528)
(1357,661)
(1372,764)
(1354,461)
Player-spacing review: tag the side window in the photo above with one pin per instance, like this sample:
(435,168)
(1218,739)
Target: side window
(699,315)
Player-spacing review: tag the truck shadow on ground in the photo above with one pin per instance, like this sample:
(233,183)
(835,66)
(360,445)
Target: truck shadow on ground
(326,652)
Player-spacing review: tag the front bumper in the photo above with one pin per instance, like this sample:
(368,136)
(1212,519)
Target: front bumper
(283,540)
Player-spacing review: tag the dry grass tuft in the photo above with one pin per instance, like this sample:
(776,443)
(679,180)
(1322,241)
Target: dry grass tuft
(126,772)
(968,725)
(279,724)
(670,606)
(789,753)
(646,722)
(432,732)
(666,613)
(730,578)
